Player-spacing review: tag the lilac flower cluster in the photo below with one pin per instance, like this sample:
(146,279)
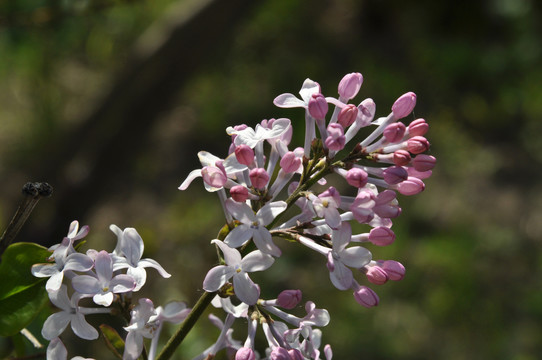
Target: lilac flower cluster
(262,166)
(98,275)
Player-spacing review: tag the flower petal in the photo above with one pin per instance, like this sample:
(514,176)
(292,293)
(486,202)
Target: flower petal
(245,289)
(193,174)
(54,282)
(103,299)
(153,264)
(122,283)
(288,100)
(86,284)
(269,211)
(132,245)
(78,262)
(82,328)
(264,242)
(256,261)
(55,325)
(238,236)
(56,350)
(341,276)
(216,277)
(240,211)
(355,257)
(232,257)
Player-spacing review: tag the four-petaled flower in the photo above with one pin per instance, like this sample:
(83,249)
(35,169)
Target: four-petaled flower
(238,268)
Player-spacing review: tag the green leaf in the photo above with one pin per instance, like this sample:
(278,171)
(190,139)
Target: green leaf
(22,295)
(113,340)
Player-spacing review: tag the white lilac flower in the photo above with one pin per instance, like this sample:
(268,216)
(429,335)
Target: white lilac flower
(103,285)
(128,255)
(325,205)
(139,328)
(238,268)
(70,313)
(254,225)
(225,339)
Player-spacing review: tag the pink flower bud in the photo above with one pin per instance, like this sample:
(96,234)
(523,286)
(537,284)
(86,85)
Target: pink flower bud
(336,139)
(381,236)
(348,115)
(279,353)
(244,154)
(419,174)
(356,177)
(239,193)
(366,297)
(417,144)
(290,162)
(288,299)
(411,186)
(296,354)
(394,269)
(418,127)
(404,105)
(424,162)
(245,353)
(318,106)
(394,132)
(394,175)
(377,275)
(401,158)
(350,85)
(259,178)
(214,176)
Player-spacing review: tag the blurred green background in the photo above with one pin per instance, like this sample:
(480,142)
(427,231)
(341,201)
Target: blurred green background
(110,100)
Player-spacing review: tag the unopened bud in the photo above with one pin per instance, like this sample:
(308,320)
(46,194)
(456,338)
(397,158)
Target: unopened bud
(318,106)
(244,154)
(381,236)
(245,353)
(404,105)
(411,186)
(394,132)
(239,193)
(394,175)
(348,115)
(279,353)
(356,177)
(336,139)
(290,162)
(376,275)
(259,178)
(401,158)
(296,354)
(424,162)
(417,144)
(418,127)
(366,297)
(214,176)
(394,269)
(288,299)
(350,85)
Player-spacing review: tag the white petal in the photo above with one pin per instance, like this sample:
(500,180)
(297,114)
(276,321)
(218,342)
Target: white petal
(333,218)
(44,270)
(86,284)
(341,237)
(56,350)
(256,261)
(54,282)
(309,87)
(279,127)
(245,289)
(269,211)
(193,174)
(82,328)
(264,242)
(133,346)
(238,236)
(241,211)
(153,264)
(232,257)
(104,267)
(103,299)
(122,283)
(55,325)
(140,276)
(78,262)
(355,257)
(341,276)
(132,245)
(60,298)
(288,100)
(231,165)
(207,159)
(216,277)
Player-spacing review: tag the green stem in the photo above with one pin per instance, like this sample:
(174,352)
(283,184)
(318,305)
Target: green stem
(177,338)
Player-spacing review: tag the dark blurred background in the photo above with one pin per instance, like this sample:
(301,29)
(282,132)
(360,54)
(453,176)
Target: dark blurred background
(110,100)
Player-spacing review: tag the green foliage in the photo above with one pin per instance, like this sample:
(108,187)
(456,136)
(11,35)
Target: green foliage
(113,340)
(22,295)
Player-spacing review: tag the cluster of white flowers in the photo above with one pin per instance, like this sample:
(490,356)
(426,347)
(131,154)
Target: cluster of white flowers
(97,275)
(251,178)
